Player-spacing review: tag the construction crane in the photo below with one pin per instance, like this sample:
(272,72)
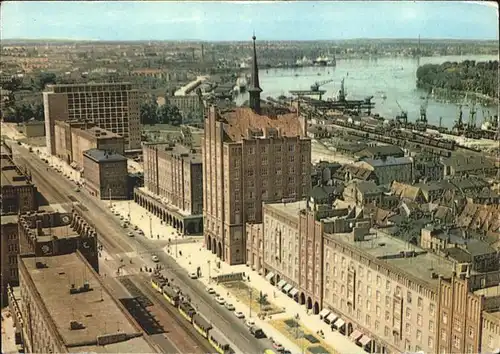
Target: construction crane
(403,116)
(318,84)
(423,110)
(472,117)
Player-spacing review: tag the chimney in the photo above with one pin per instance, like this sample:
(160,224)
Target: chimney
(39,230)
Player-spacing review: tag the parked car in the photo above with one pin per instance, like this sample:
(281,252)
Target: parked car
(250,322)
(130,234)
(211,291)
(155,259)
(136,227)
(220,300)
(239,314)
(257,332)
(278,346)
(193,275)
(229,306)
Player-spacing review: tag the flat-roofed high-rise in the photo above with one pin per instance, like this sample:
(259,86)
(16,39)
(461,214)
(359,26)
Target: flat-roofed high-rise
(113,106)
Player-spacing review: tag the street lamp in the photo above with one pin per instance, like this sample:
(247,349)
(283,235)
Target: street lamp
(109,192)
(150,226)
(209,277)
(129,210)
(176,234)
(250,312)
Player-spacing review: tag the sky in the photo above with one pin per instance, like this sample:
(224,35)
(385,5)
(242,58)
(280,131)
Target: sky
(230,21)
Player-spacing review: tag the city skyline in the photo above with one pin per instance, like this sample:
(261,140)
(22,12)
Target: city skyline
(225,21)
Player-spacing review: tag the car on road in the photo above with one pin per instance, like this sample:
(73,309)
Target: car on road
(239,314)
(278,346)
(140,232)
(121,217)
(77,189)
(286,351)
(211,291)
(229,306)
(124,225)
(155,258)
(250,322)
(130,234)
(193,275)
(257,332)
(136,227)
(117,213)
(220,300)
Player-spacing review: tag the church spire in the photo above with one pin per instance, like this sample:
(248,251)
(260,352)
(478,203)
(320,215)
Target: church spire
(254,89)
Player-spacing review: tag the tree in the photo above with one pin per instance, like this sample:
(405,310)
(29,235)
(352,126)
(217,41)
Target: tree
(262,300)
(44,79)
(13,85)
(169,114)
(38,111)
(148,112)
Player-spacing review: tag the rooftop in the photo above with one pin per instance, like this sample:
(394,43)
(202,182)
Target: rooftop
(101,133)
(387,249)
(11,174)
(289,209)
(182,152)
(389,161)
(104,156)
(96,310)
(239,120)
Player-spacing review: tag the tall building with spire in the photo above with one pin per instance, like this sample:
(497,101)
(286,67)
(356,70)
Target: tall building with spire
(251,155)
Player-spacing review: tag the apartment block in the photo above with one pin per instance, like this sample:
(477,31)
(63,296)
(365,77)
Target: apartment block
(106,174)
(72,138)
(18,192)
(113,107)
(92,320)
(10,250)
(173,185)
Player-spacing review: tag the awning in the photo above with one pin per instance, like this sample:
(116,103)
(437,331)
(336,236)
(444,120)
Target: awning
(73,164)
(281,284)
(324,313)
(331,317)
(269,275)
(293,292)
(287,288)
(365,340)
(339,323)
(355,335)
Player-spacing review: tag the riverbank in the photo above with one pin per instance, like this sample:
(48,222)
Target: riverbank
(463,96)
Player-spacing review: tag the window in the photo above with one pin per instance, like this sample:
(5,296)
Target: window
(432,309)
(457,325)
(369,276)
(379,280)
(445,318)
(291,148)
(408,328)
(471,332)
(456,342)
(368,305)
(388,286)
(386,331)
(419,336)
(369,290)
(430,342)
(420,303)
(470,348)
(368,320)
(431,326)
(379,296)
(387,315)
(408,313)
(408,297)
(443,335)
(377,311)
(419,319)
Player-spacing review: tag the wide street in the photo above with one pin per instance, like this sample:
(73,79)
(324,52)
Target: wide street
(109,227)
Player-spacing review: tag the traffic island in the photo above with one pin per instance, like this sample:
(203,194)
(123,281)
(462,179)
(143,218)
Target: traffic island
(251,297)
(302,337)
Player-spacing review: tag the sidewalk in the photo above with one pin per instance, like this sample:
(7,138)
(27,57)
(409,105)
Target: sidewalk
(8,334)
(195,254)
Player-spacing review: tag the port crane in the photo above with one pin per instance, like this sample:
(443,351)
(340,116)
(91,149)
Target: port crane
(318,84)
(423,110)
(403,116)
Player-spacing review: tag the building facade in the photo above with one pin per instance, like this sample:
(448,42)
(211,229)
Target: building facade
(18,193)
(106,174)
(73,138)
(10,250)
(113,107)
(250,155)
(92,319)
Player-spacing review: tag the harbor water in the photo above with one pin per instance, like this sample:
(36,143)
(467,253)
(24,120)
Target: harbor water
(390,80)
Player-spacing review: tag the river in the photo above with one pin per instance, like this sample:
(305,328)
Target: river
(393,77)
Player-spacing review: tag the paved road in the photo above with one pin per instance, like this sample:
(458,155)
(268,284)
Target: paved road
(106,224)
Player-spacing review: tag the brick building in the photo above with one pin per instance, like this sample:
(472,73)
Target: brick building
(112,106)
(72,138)
(18,193)
(250,155)
(173,182)
(106,174)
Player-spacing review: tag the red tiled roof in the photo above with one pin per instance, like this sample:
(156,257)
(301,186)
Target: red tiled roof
(239,120)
